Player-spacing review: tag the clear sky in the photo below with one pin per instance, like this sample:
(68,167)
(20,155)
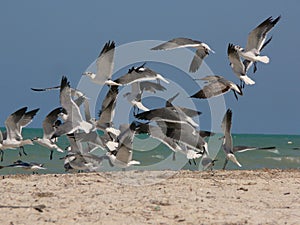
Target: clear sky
(42,40)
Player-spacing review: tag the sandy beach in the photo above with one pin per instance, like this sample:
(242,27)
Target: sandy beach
(156,197)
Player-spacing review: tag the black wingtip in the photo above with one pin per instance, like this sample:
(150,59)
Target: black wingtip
(107,47)
(276,20)
(199,94)
(64,82)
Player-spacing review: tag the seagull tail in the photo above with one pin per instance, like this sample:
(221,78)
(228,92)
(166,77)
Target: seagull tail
(263,59)
(247,80)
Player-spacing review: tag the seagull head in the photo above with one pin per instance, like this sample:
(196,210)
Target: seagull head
(207,47)
(89,74)
(238,48)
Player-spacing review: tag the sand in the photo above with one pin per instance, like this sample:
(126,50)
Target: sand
(156,197)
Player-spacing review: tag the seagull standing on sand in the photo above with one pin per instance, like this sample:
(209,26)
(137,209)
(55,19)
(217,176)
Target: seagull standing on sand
(104,64)
(202,50)
(256,42)
(227,140)
(216,86)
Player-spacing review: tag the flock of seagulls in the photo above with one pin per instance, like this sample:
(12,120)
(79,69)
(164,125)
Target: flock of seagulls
(172,125)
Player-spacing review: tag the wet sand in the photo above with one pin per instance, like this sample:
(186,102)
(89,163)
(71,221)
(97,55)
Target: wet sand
(156,197)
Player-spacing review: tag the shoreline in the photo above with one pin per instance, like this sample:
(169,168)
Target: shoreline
(267,196)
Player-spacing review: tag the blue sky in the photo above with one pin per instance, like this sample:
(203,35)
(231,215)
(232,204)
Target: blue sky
(42,40)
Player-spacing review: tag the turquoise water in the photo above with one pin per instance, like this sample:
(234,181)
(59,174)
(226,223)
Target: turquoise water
(156,156)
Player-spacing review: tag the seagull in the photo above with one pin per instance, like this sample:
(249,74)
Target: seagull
(104,64)
(74,119)
(83,161)
(186,135)
(49,129)
(12,138)
(256,40)
(202,50)
(107,111)
(26,165)
(157,133)
(136,74)
(237,65)
(216,86)
(227,140)
(248,63)
(122,157)
(137,89)
(166,114)
(189,112)
(207,162)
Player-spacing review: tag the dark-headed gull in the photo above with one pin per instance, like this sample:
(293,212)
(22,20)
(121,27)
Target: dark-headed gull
(216,86)
(237,65)
(49,128)
(137,74)
(227,140)
(74,120)
(104,64)
(202,50)
(257,41)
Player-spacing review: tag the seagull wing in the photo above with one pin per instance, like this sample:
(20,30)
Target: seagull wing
(235,61)
(178,43)
(11,123)
(49,122)
(200,54)
(226,127)
(257,36)
(212,89)
(105,63)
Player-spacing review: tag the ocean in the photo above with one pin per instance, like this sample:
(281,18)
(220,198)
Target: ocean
(155,156)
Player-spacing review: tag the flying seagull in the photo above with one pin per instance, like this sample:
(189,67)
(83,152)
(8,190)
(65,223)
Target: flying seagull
(237,65)
(137,89)
(256,41)
(12,138)
(122,156)
(25,165)
(137,74)
(49,128)
(107,111)
(104,64)
(166,114)
(202,50)
(74,120)
(227,140)
(216,86)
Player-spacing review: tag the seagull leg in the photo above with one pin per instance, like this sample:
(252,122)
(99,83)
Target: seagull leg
(190,162)
(51,154)
(254,67)
(174,156)
(1,153)
(226,161)
(23,150)
(194,161)
(235,95)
